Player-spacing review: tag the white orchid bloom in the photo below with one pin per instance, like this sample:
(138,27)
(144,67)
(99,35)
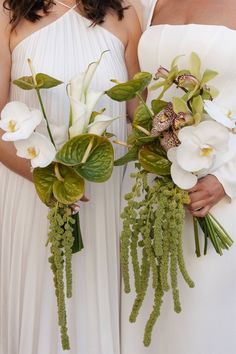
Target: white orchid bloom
(220,114)
(82,101)
(100,124)
(183,179)
(36,148)
(200,144)
(18,121)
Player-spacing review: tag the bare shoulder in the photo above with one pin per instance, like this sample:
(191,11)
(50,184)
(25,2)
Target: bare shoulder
(5,54)
(131,14)
(5,27)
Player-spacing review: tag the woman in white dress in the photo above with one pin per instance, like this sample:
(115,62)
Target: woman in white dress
(61,42)
(207,324)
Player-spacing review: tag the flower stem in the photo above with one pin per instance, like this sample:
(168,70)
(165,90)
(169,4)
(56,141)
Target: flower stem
(44,115)
(196,236)
(34,76)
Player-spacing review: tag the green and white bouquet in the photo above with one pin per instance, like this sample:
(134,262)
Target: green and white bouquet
(173,143)
(63,158)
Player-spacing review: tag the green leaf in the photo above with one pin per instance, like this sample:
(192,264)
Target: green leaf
(45,81)
(44,179)
(158,105)
(195,65)
(99,165)
(208,76)
(131,155)
(197,105)
(179,105)
(142,116)
(128,90)
(71,188)
(147,139)
(25,83)
(153,163)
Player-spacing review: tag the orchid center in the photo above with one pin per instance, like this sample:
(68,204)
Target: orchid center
(11,126)
(32,152)
(206,150)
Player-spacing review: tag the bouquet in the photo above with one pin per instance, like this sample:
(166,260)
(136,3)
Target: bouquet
(173,144)
(62,158)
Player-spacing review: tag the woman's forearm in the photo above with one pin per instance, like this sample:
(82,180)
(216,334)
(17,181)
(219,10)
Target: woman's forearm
(14,163)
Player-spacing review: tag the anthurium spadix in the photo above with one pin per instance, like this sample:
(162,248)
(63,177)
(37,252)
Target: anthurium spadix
(82,100)
(220,114)
(36,148)
(199,145)
(18,121)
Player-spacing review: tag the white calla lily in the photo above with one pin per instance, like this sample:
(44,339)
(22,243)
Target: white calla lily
(183,179)
(200,144)
(82,100)
(220,114)
(18,121)
(36,148)
(100,124)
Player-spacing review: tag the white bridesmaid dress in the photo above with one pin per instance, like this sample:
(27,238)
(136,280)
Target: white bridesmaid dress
(207,324)
(28,312)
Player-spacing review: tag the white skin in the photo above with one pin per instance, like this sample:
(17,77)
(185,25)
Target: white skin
(128,31)
(208,191)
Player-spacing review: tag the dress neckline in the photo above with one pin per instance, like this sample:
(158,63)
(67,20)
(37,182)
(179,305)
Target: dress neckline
(60,19)
(191,25)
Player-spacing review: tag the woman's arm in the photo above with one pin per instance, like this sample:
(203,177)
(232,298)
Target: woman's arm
(7,150)
(131,53)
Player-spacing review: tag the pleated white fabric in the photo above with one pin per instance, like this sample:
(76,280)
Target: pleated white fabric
(28,314)
(207,323)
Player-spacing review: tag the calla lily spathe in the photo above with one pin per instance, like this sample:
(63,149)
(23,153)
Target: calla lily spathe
(82,101)
(100,124)
(199,145)
(36,148)
(221,115)
(18,121)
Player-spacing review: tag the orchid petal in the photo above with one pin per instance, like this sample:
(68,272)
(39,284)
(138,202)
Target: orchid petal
(36,148)
(15,110)
(190,159)
(216,113)
(213,134)
(23,128)
(180,177)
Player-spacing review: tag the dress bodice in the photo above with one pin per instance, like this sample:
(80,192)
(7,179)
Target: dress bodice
(215,45)
(63,49)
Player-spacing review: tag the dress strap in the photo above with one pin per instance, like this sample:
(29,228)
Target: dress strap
(148,10)
(68,6)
